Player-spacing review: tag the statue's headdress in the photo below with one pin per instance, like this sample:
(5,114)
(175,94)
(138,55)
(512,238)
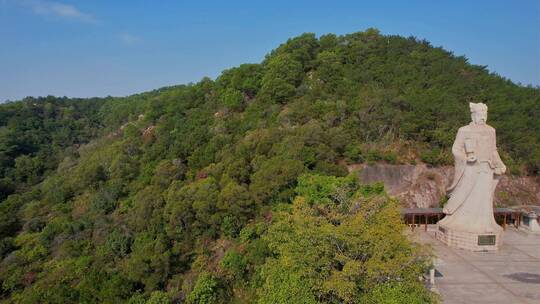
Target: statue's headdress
(478,107)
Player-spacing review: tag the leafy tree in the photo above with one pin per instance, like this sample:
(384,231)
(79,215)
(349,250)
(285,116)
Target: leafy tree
(281,77)
(273,181)
(158,297)
(206,290)
(336,254)
(234,264)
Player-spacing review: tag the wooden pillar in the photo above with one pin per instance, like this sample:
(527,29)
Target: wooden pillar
(504,222)
(425,224)
(413,221)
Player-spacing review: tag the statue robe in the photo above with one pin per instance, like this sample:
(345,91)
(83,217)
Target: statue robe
(470,207)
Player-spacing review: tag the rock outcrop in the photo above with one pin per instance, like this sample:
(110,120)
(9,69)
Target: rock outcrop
(423,186)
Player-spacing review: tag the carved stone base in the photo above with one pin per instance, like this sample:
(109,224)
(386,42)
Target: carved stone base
(469,241)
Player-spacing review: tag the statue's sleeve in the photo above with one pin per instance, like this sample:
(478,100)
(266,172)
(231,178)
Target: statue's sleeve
(496,158)
(460,158)
(458,148)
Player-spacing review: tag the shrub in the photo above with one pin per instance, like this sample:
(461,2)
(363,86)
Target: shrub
(234,264)
(205,291)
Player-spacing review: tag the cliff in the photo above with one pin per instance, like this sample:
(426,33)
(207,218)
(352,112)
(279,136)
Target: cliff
(424,186)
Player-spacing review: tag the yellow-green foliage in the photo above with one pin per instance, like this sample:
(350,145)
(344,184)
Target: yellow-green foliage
(339,255)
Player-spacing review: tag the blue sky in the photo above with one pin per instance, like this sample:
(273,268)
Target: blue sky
(100,48)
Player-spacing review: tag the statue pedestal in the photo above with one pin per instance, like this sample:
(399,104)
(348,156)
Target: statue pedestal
(469,241)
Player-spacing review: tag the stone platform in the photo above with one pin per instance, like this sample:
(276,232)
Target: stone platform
(469,241)
(510,275)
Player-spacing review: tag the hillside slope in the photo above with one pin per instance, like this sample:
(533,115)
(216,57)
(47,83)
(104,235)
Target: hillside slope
(191,197)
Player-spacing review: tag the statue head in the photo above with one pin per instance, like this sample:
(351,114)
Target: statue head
(478,113)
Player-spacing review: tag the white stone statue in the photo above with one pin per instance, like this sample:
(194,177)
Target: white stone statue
(469,211)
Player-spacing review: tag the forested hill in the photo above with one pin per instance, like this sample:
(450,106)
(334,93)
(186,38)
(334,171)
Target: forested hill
(36,134)
(235,189)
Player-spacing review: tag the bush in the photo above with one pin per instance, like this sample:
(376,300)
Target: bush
(104,201)
(354,153)
(119,243)
(431,156)
(232,99)
(398,293)
(373,156)
(230,226)
(158,297)
(234,264)
(7,187)
(6,246)
(205,291)
(390,157)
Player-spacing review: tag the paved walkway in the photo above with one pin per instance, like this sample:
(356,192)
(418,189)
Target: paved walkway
(511,275)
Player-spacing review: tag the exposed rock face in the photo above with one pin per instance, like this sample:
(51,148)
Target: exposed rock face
(423,186)
(513,190)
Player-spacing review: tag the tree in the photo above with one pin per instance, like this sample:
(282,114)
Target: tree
(282,75)
(272,182)
(206,291)
(336,254)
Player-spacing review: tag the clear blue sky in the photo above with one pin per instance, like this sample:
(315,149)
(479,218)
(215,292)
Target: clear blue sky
(98,48)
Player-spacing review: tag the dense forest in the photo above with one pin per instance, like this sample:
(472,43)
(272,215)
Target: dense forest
(236,190)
